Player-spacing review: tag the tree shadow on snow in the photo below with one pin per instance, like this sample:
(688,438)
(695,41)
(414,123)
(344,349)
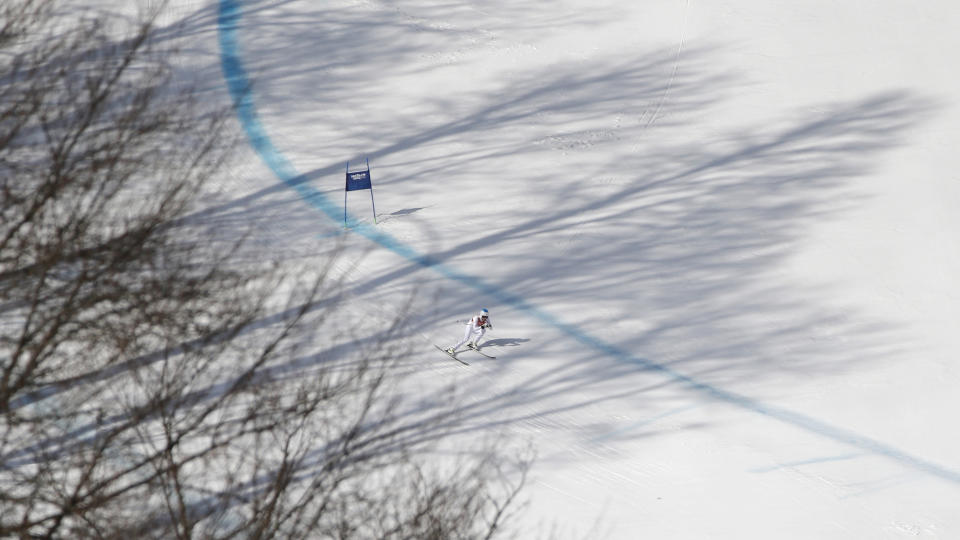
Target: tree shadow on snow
(670,234)
(676,230)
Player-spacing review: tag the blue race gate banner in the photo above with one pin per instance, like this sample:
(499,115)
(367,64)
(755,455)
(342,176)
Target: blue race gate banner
(357,180)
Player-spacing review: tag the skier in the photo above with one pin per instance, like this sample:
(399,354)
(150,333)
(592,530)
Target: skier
(475,329)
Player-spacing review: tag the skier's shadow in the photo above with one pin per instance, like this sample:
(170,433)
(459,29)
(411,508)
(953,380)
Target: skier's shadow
(505,342)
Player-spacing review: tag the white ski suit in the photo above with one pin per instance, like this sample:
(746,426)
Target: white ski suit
(475,330)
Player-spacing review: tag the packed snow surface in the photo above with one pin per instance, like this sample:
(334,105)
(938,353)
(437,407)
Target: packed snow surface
(718,239)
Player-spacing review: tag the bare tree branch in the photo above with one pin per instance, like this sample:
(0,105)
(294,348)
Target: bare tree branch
(154,382)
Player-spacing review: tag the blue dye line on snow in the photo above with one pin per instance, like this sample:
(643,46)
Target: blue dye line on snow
(238,83)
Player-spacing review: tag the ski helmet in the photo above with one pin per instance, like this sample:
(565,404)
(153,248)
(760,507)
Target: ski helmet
(484,312)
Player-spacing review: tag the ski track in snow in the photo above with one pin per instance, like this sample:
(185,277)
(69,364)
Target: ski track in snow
(229,15)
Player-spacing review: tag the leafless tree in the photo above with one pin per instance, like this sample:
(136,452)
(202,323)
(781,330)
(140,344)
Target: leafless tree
(153,384)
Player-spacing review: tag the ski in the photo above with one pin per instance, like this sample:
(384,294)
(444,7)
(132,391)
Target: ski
(454,356)
(478,351)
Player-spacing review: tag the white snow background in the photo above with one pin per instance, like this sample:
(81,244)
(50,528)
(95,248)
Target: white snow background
(718,239)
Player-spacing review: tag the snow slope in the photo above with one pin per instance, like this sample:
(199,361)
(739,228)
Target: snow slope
(718,239)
